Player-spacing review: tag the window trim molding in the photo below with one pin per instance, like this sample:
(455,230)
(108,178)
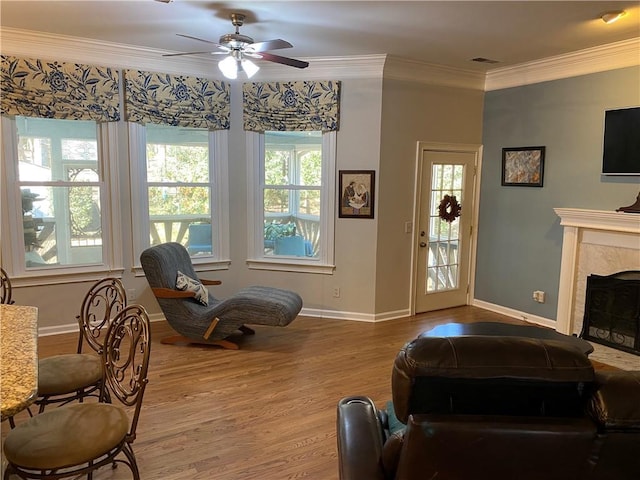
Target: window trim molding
(255,145)
(218,142)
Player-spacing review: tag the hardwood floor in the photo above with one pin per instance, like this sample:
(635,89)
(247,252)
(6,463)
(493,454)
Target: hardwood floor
(268,410)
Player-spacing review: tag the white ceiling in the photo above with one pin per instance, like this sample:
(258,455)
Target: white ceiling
(448,33)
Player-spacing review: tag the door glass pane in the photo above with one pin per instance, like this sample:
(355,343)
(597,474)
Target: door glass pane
(444,236)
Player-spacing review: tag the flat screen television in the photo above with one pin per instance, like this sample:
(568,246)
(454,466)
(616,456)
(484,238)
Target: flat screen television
(621,151)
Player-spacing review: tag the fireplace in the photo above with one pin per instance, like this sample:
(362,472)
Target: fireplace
(612,311)
(594,242)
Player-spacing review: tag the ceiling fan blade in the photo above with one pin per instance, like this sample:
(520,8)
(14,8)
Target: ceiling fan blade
(292,62)
(269,45)
(187,53)
(200,40)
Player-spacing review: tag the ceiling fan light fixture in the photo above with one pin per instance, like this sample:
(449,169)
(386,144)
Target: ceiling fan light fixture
(229,67)
(249,67)
(613,16)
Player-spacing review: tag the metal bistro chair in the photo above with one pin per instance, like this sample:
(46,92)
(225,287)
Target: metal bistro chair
(74,376)
(77,439)
(5,288)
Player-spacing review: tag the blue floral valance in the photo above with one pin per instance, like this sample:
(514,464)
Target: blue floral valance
(176,100)
(291,106)
(50,89)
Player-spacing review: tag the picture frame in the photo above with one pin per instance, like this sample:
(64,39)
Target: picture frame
(356,193)
(523,166)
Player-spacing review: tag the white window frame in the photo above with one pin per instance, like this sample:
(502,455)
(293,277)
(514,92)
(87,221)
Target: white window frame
(219,198)
(13,255)
(324,262)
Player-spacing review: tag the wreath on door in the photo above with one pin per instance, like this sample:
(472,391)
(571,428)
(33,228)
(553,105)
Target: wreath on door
(449,208)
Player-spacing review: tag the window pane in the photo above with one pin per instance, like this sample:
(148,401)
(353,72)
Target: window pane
(276,201)
(61,226)
(177,154)
(276,167)
(173,209)
(308,202)
(311,168)
(48,149)
(178,200)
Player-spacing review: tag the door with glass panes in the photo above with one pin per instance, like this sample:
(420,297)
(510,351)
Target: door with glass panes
(443,234)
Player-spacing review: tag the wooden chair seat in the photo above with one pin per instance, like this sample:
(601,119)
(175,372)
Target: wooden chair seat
(79,370)
(71,435)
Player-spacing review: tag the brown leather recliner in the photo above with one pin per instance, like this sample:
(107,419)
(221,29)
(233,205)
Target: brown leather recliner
(498,408)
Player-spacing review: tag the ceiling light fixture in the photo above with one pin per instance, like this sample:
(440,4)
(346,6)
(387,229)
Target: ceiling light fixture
(610,17)
(229,67)
(234,63)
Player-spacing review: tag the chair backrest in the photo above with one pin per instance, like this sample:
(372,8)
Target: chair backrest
(290,246)
(5,288)
(491,375)
(127,346)
(106,298)
(162,262)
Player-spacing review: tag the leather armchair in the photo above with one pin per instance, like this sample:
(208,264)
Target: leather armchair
(479,407)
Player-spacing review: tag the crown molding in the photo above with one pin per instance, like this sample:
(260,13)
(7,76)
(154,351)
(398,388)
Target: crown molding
(592,60)
(404,69)
(72,49)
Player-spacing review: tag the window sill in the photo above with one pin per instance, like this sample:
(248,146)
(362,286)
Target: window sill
(33,278)
(290,265)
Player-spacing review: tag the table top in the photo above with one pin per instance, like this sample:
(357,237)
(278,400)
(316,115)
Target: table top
(506,330)
(18,358)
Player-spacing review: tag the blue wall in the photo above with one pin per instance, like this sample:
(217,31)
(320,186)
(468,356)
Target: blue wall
(519,234)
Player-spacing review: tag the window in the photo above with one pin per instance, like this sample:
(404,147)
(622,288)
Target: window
(292,190)
(58,195)
(178,189)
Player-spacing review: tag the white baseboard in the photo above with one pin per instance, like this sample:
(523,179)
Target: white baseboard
(355,316)
(510,312)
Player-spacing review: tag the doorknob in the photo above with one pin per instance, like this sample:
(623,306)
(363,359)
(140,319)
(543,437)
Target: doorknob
(423,244)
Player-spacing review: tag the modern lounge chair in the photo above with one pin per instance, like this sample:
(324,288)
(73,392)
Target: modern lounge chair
(212,323)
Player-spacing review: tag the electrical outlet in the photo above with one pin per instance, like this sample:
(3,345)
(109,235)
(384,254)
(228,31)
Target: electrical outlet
(538,296)
(131,294)
(408,227)
(336,292)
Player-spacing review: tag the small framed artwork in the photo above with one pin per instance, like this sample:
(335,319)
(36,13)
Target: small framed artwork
(523,166)
(357,193)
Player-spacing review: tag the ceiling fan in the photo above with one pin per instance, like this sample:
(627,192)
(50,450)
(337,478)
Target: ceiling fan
(238,47)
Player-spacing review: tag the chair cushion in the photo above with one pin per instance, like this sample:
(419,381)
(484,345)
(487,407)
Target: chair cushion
(69,435)
(188,284)
(63,374)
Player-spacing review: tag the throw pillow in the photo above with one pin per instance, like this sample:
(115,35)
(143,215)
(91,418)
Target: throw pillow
(188,284)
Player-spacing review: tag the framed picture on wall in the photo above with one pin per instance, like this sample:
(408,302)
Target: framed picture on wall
(356,193)
(523,166)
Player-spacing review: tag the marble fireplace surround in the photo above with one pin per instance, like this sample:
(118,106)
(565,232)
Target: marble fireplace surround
(594,242)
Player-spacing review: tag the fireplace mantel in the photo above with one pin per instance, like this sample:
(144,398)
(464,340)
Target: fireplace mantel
(599,219)
(612,229)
